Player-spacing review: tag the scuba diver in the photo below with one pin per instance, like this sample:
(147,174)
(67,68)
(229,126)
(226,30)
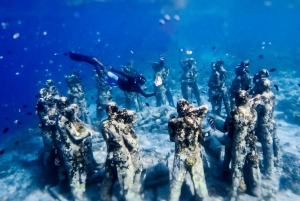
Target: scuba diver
(125,83)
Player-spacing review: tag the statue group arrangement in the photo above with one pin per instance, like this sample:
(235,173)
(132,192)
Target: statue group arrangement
(67,134)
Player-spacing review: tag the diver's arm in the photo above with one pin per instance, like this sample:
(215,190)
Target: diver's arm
(140,91)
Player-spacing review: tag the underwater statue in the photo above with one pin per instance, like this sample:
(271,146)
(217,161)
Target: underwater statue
(47,112)
(266,126)
(76,96)
(131,96)
(241,81)
(189,84)
(245,173)
(185,131)
(127,118)
(217,91)
(263,73)
(161,83)
(121,142)
(75,146)
(51,88)
(104,93)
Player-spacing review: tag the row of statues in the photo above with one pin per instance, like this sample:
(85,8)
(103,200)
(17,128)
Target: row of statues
(67,134)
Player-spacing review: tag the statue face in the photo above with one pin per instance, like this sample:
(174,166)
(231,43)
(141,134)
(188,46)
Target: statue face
(49,82)
(112,109)
(43,92)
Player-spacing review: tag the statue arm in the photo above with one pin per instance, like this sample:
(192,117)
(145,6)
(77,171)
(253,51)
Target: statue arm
(171,125)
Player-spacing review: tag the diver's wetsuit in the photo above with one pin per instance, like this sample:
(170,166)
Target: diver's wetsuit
(125,83)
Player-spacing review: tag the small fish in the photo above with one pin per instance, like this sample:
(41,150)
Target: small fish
(173,117)
(16,142)
(276,87)
(72,66)
(2,151)
(278,57)
(216,97)
(56,162)
(29,113)
(95,119)
(203,92)
(110,98)
(6,118)
(19,122)
(194,101)
(217,107)
(158,81)
(260,56)
(24,106)
(66,54)
(211,123)
(37,96)
(214,47)
(88,105)
(248,87)
(147,104)
(299,85)
(272,70)
(145,88)
(92,98)
(9,52)
(5,130)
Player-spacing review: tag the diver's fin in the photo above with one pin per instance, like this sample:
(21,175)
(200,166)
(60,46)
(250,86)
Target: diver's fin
(80,57)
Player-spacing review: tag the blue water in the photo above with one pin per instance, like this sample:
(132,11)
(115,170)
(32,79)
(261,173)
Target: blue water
(110,30)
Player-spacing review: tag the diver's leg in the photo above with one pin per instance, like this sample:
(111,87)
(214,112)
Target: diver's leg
(112,79)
